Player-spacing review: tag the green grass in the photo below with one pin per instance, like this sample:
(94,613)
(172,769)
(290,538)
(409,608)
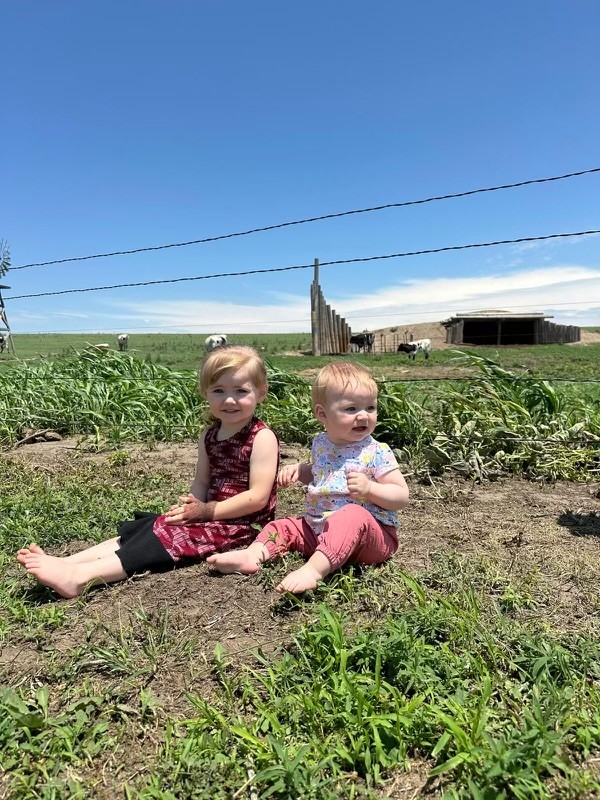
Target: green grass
(496,422)
(178,351)
(184,352)
(387,670)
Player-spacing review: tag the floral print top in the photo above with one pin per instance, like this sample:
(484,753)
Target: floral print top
(328,490)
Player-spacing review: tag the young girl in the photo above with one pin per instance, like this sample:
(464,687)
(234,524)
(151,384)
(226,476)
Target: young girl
(232,493)
(354,489)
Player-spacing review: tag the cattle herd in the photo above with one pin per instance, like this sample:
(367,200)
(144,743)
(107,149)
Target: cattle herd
(363,342)
(359,342)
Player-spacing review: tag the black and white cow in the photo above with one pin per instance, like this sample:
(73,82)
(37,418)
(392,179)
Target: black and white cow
(123,340)
(362,341)
(418,346)
(212,342)
(3,341)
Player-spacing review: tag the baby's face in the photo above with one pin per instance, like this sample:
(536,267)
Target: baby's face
(348,415)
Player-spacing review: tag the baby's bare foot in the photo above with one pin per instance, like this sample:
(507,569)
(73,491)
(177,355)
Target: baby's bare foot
(54,573)
(300,580)
(235,561)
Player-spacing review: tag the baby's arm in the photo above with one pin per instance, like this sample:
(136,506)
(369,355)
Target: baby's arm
(294,473)
(389,491)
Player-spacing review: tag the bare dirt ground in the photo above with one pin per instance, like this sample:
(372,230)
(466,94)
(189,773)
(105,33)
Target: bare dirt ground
(550,533)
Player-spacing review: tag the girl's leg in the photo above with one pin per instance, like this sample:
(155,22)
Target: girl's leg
(276,538)
(68,578)
(92,553)
(96,551)
(350,534)
(114,561)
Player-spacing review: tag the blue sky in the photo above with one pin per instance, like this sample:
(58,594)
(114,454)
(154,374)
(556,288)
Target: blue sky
(139,123)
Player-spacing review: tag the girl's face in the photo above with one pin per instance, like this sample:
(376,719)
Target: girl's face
(348,415)
(233,398)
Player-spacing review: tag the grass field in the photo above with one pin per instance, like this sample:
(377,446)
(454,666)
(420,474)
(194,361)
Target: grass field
(290,352)
(457,671)
(467,668)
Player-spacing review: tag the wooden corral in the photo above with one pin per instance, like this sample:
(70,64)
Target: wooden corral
(330,332)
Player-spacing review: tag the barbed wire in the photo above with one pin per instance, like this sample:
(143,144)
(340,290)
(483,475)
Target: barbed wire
(307,220)
(194,431)
(309,266)
(164,328)
(434,379)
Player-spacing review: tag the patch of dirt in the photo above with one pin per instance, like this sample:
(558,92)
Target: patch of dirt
(173,459)
(552,531)
(589,337)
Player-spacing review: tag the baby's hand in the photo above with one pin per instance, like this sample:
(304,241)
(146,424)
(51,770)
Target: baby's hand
(359,485)
(288,474)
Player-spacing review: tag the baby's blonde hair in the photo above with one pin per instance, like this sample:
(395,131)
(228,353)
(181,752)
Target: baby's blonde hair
(234,357)
(339,375)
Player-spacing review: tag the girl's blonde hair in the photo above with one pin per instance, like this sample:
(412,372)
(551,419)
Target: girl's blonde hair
(234,357)
(338,376)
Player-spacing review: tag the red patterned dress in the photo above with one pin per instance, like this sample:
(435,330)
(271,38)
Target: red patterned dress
(229,462)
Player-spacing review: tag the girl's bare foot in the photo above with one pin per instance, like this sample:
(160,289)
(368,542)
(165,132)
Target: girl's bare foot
(235,561)
(24,553)
(54,573)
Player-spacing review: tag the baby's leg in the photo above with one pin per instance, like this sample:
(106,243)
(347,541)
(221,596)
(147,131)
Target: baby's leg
(69,579)
(247,561)
(353,534)
(276,538)
(350,534)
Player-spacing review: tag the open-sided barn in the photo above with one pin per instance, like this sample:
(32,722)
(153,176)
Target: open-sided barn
(497,327)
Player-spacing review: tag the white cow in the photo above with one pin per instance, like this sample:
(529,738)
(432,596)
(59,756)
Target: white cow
(123,340)
(212,342)
(418,346)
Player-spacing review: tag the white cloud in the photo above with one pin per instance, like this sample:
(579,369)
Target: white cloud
(570,292)
(70,315)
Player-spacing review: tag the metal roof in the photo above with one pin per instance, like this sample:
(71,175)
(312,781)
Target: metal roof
(500,314)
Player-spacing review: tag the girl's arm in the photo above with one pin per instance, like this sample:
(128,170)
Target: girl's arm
(199,487)
(192,507)
(389,491)
(263,469)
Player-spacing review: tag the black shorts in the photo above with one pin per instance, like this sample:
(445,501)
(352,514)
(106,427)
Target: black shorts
(141,549)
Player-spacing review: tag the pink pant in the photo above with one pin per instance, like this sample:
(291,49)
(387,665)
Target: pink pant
(350,534)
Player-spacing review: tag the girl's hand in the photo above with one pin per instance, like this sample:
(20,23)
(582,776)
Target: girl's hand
(288,474)
(190,510)
(359,485)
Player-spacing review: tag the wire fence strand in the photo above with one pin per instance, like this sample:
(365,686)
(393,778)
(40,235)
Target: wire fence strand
(307,220)
(309,266)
